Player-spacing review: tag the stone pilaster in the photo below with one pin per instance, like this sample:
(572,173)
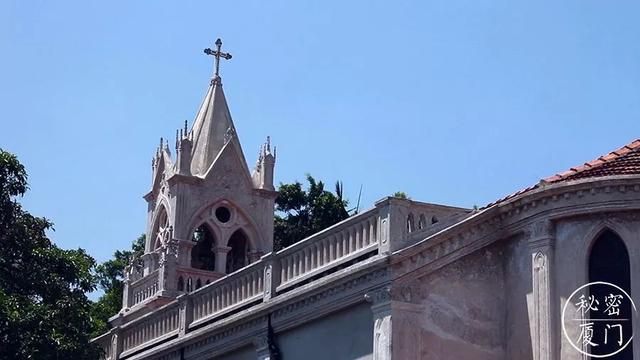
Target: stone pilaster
(380,300)
(393,222)
(271,275)
(396,333)
(185,313)
(116,343)
(126,294)
(540,236)
(261,343)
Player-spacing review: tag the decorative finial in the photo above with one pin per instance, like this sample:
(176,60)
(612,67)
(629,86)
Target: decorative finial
(217,54)
(185,127)
(177,139)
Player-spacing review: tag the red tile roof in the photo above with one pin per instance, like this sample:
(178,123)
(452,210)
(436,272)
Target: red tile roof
(624,161)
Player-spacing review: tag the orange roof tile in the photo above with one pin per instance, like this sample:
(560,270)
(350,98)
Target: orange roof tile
(624,161)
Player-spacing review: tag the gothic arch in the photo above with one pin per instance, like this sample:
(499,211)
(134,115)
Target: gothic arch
(213,227)
(250,228)
(238,256)
(609,261)
(203,253)
(594,233)
(161,222)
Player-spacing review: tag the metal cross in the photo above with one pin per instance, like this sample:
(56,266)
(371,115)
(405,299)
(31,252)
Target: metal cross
(218,54)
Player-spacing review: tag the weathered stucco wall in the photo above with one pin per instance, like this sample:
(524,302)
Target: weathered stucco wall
(517,270)
(347,334)
(464,305)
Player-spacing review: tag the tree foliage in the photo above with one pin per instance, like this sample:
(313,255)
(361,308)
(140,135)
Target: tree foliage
(110,276)
(401,195)
(44,310)
(301,212)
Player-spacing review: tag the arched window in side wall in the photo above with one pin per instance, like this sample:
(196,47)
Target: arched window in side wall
(180,284)
(609,262)
(237,257)
(410,223)
(203,255)
(422,222)
(161,231)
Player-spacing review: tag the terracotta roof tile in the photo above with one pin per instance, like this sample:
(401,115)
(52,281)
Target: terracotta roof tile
(624,161)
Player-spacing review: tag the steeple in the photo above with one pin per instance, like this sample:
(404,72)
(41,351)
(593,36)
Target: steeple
(213,122)
(207,215)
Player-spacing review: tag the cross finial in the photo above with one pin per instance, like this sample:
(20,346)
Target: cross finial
(217,54)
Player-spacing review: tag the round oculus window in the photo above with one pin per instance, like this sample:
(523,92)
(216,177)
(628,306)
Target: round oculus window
(223,214)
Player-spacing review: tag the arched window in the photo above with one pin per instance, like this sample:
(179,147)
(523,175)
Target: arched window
(162,229)
(180,284)
(203,255)
(198,284)
(410,223)
(609,262)
(422,222)
(237,257)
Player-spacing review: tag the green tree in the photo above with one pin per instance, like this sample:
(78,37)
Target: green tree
(401,195)
(110,275)
(301,212)
(44,310)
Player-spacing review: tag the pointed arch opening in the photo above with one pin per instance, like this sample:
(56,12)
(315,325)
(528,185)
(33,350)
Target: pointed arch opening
(609,262)
(203,254)
(410,223)
(161,230)
(238,256)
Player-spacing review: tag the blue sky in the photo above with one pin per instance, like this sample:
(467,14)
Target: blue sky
(453,102)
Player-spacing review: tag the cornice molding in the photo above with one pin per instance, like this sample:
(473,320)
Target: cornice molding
(531,213)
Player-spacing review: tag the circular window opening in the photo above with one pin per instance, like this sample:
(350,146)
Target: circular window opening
(223,214)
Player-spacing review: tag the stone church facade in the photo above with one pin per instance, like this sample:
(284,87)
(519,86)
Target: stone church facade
(402,280)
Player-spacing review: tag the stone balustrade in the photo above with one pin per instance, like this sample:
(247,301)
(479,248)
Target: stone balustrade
(337,244)
(104,341)
(143,289)
(231,292)
(151,328)
(340,245)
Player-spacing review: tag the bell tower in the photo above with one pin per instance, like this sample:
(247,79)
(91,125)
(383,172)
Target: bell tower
(208,215)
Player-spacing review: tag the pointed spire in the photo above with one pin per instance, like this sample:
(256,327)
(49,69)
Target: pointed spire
(211,129)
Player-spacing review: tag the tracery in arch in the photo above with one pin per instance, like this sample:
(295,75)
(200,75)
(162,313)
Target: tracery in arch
(203,254)
(162,230)
(238,256)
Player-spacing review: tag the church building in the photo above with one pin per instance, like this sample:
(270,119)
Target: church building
(402,280)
